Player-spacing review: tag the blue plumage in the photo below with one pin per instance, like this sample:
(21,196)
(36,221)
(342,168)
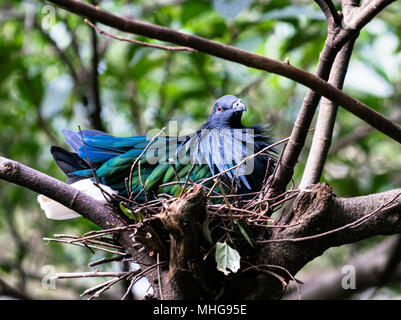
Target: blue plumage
(221,143)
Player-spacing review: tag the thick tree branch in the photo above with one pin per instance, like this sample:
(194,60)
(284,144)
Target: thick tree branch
(321,220)
(329,10)
(68,196)
(240,56)
(336,38)
(325,121)
(85,205)
(358,17)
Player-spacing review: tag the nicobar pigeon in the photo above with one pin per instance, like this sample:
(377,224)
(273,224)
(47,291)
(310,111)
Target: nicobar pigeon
(156,164)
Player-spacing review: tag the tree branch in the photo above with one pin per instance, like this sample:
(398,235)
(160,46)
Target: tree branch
(78,201)
(334,42)
(321,220)
(329,10)
(325,121)
(68,196)
(289,157)
(240,56)
(141,43)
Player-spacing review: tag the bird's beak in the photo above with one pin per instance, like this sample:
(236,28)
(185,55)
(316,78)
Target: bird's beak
(239,106)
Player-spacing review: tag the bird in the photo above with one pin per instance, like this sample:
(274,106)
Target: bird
(144,168)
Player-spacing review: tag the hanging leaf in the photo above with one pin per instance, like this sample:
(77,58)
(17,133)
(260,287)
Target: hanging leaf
(227,258)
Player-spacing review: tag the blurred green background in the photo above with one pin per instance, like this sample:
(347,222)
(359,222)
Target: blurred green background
(45,85)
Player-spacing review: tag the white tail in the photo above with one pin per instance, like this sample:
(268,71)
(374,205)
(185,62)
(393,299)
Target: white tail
(56,211)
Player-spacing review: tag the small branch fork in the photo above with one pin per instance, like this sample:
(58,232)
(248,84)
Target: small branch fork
(329,10)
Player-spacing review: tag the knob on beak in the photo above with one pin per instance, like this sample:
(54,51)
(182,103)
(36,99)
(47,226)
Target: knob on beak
(239,106)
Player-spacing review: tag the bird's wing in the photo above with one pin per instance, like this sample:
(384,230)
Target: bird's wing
(160,162)
(156,163)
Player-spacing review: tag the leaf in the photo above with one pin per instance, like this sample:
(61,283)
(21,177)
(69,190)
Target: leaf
(130,214)
(243,232)
(227,258)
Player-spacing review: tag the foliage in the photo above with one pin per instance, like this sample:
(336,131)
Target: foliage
(44,86)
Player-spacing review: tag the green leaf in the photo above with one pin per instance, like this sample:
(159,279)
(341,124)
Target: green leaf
(138,217)
(227,258)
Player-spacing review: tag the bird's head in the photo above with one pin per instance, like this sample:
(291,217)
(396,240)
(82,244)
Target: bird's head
(227,113)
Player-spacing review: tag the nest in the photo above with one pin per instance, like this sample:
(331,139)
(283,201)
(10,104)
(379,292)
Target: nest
(183,228)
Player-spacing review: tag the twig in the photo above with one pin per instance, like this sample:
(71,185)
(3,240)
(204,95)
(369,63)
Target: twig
(132,282)
(353,224)
(281,268)
(106,260)
(72,275)
(84,245)
(141,43)
(90,239)
(103,287)
(159,277)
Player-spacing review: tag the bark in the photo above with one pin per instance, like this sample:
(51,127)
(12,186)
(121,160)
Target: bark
(319,218)
(325,121)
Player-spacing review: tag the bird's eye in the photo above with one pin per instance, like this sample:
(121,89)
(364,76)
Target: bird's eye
(219,109)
